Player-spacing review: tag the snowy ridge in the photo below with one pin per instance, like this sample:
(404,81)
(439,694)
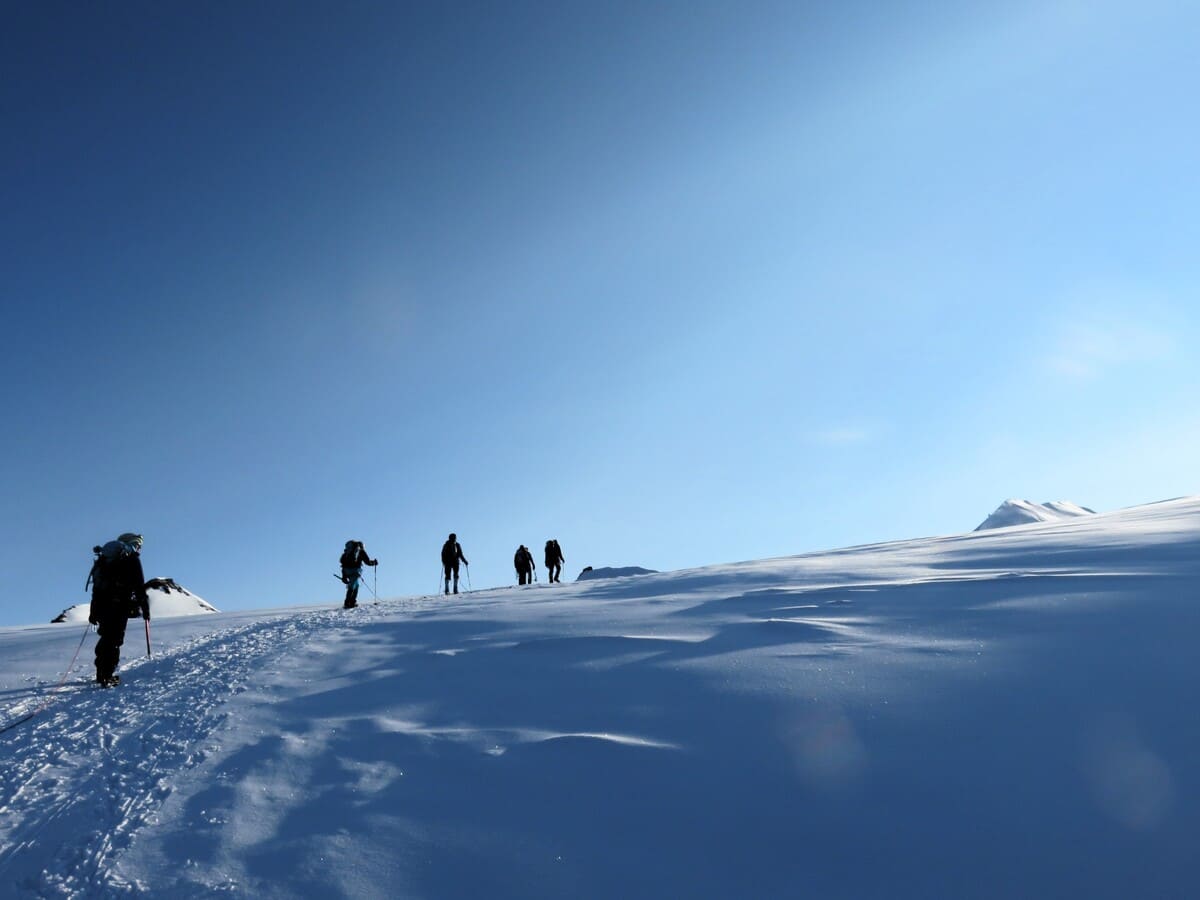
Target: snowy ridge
(734,730)
(167,600)
(1025,512)
(613,572)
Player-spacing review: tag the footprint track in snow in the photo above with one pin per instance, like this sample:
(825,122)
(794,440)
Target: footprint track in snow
(99,763)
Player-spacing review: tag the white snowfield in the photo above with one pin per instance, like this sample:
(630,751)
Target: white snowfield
(167,601)
(996,714)
(1026,512)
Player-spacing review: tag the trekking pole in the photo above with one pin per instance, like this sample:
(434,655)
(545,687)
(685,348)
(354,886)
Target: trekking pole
(468,568)
(375,578)
(147,621)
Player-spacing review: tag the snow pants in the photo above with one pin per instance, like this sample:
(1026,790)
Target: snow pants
(352,577)
(112,636)
(451,568)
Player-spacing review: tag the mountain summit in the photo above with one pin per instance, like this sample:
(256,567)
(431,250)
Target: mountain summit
(167,600)
(1026,512)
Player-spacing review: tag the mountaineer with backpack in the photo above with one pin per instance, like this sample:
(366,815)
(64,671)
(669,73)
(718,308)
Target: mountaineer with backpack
(451,555)
(554,561)
(118,594)
(523,562)
(354,557)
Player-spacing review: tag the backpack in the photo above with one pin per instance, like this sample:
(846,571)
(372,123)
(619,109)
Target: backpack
(349,558)
(101,579)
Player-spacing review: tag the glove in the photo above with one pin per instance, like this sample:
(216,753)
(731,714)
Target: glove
(92,620)
(372,562)
(146,610)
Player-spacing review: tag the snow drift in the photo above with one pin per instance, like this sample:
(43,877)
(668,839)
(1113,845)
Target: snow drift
(1025,512)
(167,600)
(1007,713)
(613,572)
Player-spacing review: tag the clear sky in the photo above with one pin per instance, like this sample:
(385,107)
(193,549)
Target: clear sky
(677,283)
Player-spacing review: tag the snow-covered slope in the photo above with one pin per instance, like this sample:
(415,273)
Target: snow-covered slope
(167,600)
(589,573)
(1025,512)
(997,714)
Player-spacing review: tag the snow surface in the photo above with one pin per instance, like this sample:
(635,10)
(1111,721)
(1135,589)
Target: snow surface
(168,600)
(998,714)
(613,572)
(1026,512)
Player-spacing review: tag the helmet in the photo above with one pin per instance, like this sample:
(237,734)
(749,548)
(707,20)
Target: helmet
(134,540)
(453,536)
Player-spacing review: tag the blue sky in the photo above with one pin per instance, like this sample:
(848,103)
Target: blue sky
(676,283)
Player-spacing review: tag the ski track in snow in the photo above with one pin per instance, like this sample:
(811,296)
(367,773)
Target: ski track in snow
(100,762)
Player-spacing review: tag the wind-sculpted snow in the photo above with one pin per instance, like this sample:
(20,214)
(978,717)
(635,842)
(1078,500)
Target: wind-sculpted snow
(997,714)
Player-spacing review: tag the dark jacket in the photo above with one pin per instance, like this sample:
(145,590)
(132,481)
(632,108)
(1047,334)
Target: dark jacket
(554,555)
(523,560)
(118,584)
(353,563)
(357,559)
(451,553)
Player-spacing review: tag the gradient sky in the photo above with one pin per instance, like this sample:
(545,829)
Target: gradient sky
(677,283)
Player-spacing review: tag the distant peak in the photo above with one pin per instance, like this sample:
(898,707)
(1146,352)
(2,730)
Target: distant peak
(168,600)
(1015,511)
